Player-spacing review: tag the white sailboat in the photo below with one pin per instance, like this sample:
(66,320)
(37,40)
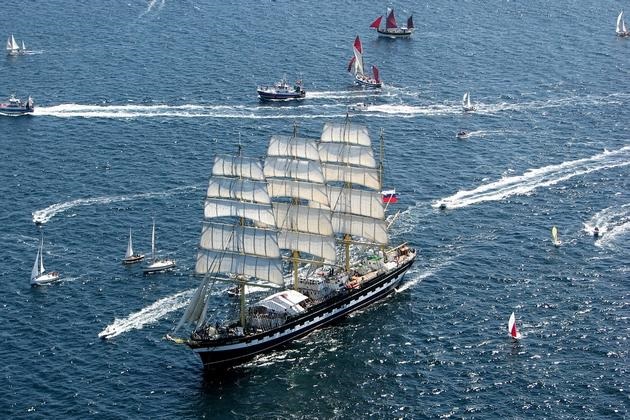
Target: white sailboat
(38,274)
(157,264)
(620,28)
(130,256)
(466,105)
(512,328)
(12,46)
(554,236)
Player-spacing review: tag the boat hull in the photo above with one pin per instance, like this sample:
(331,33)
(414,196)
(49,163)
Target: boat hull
(395,33)
(270,96)
(7,110)
(132,259)
(159,266)
(371,83)
(45,278)
(223,355)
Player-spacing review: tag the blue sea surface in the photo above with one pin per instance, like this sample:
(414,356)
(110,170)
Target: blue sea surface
(134,99)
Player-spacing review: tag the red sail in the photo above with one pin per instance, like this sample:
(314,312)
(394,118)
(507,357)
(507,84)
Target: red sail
(391,20)
(375,73)
(357,45)
(377,22)
(410,22)
(350,64)
(514,333)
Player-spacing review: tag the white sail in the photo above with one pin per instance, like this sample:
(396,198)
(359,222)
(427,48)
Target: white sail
(239,239)
(303,170)
(358,62)
(12,46)
(262,268)
(153,241)
(238,189)
(238,166)
(354,201)
(23,47)
(347,154)
(129,252)
(352,175)
(227,208)
(346,133)
(374,230)
(309,191)
(620,23)
(296,147)
(466,100)
(317,245)
(196,310)
(35,271)
(303,219)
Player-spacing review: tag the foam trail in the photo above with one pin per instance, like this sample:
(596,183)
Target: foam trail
(148,315)
(44,215)
(423,275)
(536,178)
(613,223)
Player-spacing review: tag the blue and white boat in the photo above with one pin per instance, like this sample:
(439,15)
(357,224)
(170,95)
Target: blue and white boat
(282,91)
(17,107)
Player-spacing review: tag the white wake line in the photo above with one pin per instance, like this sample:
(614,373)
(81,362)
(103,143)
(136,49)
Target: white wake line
(536,178)
(613,224)
(44,215)
(148,315)
(428,273)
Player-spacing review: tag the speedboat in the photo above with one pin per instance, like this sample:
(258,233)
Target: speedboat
(462,134)
(359,106)
(14,106)
(282,91)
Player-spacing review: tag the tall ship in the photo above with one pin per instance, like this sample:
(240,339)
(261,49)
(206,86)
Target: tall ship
(307,224)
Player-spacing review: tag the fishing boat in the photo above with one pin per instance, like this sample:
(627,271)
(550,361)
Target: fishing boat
(157,264)
(308,225)
(356,66)
(512,328)
(620,28)
(12,46)
(282,91)
(39,276)
(130,256)
(391,29)
(14,106)
(554,236)
(467,106)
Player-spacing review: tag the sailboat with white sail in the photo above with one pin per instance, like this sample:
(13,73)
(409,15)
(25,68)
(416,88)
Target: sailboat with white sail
(307,204)
(157,264)
(620,28)
(39,276)
(512,328)
(131,257)
(356,66)
(12,46)
(466,104)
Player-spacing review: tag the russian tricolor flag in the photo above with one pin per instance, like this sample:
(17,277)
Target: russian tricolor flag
(389,196)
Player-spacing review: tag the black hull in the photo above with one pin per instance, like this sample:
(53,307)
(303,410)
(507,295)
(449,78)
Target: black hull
(279,97)
(220,355)
(400,33)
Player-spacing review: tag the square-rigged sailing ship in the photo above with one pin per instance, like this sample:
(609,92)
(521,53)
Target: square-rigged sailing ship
(308,220)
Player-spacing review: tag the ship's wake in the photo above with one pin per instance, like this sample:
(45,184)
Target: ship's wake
(149,315)
(535,178)
(44,215)
(613,224)
(416,275)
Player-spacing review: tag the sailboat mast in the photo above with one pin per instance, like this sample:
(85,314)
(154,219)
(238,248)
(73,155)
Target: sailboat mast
(153,241)
(41,256)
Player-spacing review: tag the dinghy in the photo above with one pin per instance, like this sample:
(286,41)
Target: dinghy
(512,328)
(620,28)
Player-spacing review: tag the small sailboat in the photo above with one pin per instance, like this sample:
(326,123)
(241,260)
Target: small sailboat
(157,264)
(621,26)
(554,236)
(356,65)
(38,274)
(512,328)
(392,30)
(12,46)
(130,256)
(466,105)
(23,48)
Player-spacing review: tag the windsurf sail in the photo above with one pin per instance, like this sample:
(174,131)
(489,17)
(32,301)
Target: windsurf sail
(512,327)
(554,235)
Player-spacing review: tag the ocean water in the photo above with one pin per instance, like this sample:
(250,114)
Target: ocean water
(135,98)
